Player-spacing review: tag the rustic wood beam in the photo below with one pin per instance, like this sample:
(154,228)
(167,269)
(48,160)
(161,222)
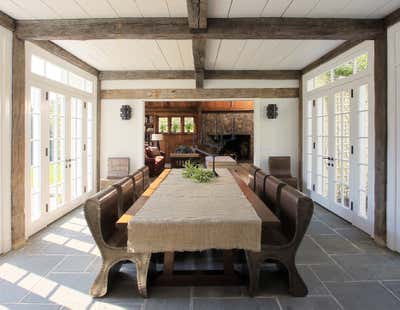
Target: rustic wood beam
(392,18)
(380,71)
(67,56)
(331,55)
(217,28)
(252,74)
(208,75)
(197,14)
(200,93)
(7,21)
(199,55)
(18,144)
(147,75)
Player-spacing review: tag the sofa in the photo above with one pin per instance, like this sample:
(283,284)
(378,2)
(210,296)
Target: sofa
(154,159)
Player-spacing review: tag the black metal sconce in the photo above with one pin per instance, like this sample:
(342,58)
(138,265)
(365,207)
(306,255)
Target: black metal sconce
(272,111)
(126,112)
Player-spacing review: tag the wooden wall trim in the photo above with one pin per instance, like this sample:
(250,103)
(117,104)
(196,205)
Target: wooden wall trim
(300,136)
(18,144)
(7,21)
(217,28)
(381,100)
(208,75)
(200,93)
(331,55)
(392,18)
(98,134)
(65,55)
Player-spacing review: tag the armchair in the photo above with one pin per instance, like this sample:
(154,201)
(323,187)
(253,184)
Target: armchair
(279,167)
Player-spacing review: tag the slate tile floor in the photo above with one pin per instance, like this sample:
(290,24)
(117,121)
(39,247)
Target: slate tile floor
(342,266)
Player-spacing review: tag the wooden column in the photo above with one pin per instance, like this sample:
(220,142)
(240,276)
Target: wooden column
(18,144)
(380,66)
(300,136)
(98,133)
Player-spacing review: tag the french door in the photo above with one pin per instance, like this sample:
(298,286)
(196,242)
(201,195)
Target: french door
(337,158)
(60,163)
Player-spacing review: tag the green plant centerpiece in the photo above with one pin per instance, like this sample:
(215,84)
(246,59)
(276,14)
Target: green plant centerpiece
(196,173)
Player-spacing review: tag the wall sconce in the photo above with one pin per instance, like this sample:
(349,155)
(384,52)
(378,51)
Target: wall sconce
(272,111)
(126,112)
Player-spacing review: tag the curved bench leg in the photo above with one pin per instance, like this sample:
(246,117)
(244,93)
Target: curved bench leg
(142,266)
(297,287)
(100,284)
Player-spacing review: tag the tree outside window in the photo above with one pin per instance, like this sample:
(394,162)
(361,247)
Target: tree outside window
(189,124)
(163,124)
(175,124)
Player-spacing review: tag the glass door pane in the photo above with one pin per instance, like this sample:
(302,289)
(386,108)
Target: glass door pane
(35,169)
(89,147)
(322,146)
(56,150)
(76,147)
(362,145)
(342,148)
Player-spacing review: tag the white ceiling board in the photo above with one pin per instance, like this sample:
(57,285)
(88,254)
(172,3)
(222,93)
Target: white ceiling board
(275,8)
(13,10)
(133,54)
(125,8)
(37,9)
(325,8)
(177,8)
(218,8)
(361,8)
(212,49)
(228,54)
(185,48)
(282,50)
(300,8)
(248,54)
(66,9)
(97,8)
(242,8)
(386,9)
(154,8)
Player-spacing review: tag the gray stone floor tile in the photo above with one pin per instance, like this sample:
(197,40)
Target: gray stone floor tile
(217,291)
(29,307)
(11,293)
(334,221)
(235,304)
(364,296)
(319,228)
(310,253)
(353,234)
(330,273)
(308,303)
(74,264)
(394,286)
(336,245)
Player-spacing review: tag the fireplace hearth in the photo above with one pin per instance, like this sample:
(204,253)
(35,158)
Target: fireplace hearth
(236,146)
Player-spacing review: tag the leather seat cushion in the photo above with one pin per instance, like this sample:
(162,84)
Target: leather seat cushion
(273,236)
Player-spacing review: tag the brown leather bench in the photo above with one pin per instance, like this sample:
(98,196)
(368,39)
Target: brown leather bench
(101,213)
(280,243)
(273,187)
(252,177)
(279,166)
(126,193)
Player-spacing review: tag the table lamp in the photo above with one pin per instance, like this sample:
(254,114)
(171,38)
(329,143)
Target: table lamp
(157,137)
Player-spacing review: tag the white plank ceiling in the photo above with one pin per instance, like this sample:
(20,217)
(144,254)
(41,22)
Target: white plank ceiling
(43,9)
(176,54)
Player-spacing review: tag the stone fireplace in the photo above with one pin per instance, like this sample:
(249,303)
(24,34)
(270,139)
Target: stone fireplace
(229,133)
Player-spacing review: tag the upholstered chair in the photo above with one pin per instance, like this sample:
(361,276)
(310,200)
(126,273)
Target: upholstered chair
(279,166)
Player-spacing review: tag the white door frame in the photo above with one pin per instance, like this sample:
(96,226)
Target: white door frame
(5,138)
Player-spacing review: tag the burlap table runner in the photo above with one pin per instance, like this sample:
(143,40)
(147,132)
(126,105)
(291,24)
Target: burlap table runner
(185,216)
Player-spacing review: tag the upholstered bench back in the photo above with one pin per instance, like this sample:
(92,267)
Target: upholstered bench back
(127,196)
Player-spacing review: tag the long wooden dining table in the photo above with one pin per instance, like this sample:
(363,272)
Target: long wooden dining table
(176,215)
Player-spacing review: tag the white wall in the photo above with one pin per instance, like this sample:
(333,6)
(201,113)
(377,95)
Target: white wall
(121,138)
(5,138)
(393,184)
(276,137)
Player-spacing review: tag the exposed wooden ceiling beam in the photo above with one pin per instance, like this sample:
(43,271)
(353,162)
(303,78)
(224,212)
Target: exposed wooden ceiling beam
(200,93)
(332,54)
(208,75)
(252,74)
(217,28)
(199,55)
(197,14)
(67,56)
(7,21)
(392,18)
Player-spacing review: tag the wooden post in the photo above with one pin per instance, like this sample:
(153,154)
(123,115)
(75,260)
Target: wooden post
(300,137)
(380,66)
(98,133)
(18,144)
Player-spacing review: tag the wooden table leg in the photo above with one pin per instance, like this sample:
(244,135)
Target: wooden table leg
(168,267)
(228,262)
